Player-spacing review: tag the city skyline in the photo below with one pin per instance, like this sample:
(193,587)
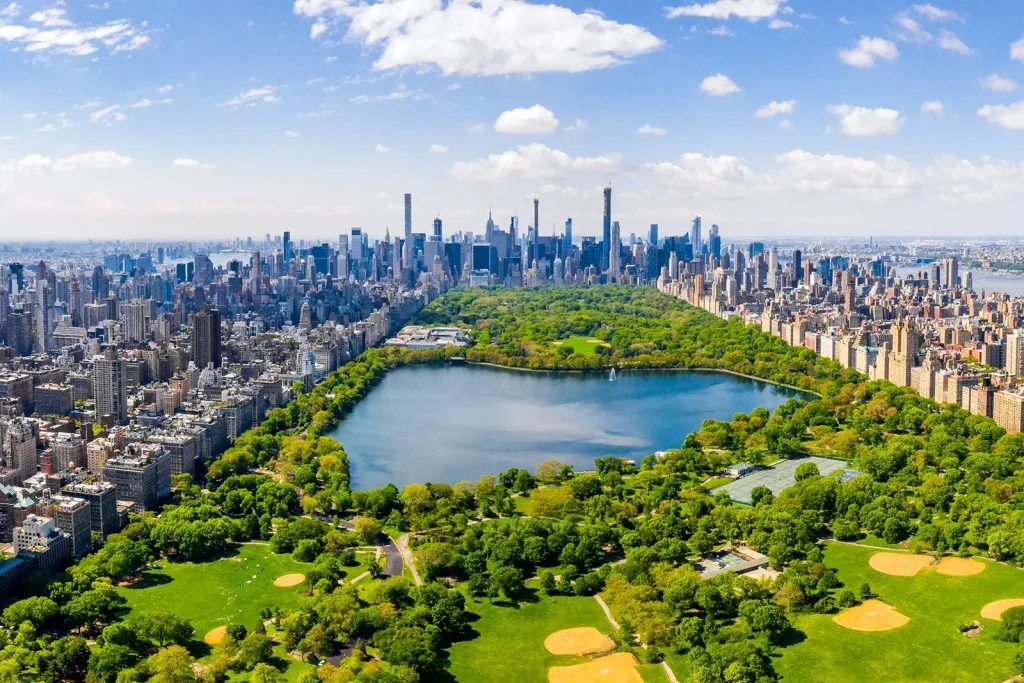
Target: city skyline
(768,117)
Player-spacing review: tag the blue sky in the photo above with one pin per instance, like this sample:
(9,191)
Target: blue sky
(770,117)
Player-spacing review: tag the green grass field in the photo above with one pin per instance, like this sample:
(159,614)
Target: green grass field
(508,642)
(582,345)
(929,648)
(221,591)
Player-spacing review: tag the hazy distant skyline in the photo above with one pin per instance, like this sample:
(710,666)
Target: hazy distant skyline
(170,119)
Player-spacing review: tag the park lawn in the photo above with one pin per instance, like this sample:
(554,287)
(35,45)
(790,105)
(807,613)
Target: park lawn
(585,346)
(715,482)
(875,542)
(507,642)
(928,648)
(211,594)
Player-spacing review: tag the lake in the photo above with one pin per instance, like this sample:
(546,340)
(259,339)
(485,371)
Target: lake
(455,423)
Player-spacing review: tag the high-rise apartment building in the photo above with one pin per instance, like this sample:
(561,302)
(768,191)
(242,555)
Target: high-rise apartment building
(110,388)
(205,330)
(135,320)
(606,234)
(407,253)
(73,516)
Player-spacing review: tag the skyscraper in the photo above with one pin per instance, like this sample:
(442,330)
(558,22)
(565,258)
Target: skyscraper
(567,238)
(286,244)
(205,326)
(437,228)
(607,228)
(408,253)
(134,321)
(615,252)
(652,235)
(695,237)
(110,388)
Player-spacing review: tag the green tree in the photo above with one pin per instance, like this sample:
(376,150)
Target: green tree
(106,662)
(265,673)
(172,665)
(255,649)
(806,470)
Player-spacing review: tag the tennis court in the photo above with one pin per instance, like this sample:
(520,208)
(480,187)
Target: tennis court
(777,477)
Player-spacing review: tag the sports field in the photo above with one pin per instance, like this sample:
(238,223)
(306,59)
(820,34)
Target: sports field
(927,647)
(582,345)
(777,477)
(232,589)
(508,642)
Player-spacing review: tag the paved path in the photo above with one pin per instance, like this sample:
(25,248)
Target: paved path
(392,557)
(403,548)
(359,578)
(615,625)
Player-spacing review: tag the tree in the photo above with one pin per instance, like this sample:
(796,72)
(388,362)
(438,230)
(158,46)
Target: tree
(417,498)
(306,550)
(255,649)
(36,610)
(68,660)
(172,665)
(265,673)
(847,598)
(759,494)
(507,581)
(366,528)
(806,470)
(585,486)
(316,641)
(1012,628)
(237,632)
(547,583)
(865,591)
(99,605)
(449,615)
(163,628)
(548,471)
(111,659)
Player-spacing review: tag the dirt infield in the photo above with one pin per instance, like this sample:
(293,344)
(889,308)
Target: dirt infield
(898,564)
(289,580)
(616,668)
(871,615)
(960,566)
(215,636)
(578,641)
(994,610)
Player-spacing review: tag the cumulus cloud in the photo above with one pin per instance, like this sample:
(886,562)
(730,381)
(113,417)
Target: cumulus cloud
(381,149)
(577,125)
(751,10)
(252,98)
(1017,49)
(777,24)
(699,174)
(722,31)
(934,13)
(164,89)
(868,51)
(865,122)
(399,93)
(648,129)
(807,172)
(533,162)
(111,113)
(719,85)
(532,120)
(774,108)
(192,163)
(910,30)
(438,149)
(37,163)
(998,83)
(933,107)
(482,38)
(50,30)
(146,102)
(1010,116)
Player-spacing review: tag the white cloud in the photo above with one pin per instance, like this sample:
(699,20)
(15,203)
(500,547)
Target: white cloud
(998,83)
(774,108)
(50,30)
(867,51)
(1017,49)
(146,102)
(719,85)
(1010,116)
(806,172)
(864,122)
(318,28)
(291,133)
(777,24)
(948,41)
(164,89)
(933,107)
(482,38)
(533,162)
(577,125)
(532,120)
(399,93)
(699,174)
(721,31)
(37,163)
(381,149)
(438,149)
(785,124)
(844,20)
(477,128)
(936,14)
(648,129)
(10,11)
(111,113)
(191,163)
(751,10)
(252,97)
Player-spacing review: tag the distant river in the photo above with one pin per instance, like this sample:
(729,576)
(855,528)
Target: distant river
(981,279)
(448,424)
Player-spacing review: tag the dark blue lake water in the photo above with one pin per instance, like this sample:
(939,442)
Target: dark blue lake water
(448,424)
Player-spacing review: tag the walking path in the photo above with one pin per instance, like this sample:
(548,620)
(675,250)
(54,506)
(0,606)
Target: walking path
(615,625)
(402,543)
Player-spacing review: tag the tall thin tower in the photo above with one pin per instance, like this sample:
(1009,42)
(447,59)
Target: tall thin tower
(407,253)
(607,231)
